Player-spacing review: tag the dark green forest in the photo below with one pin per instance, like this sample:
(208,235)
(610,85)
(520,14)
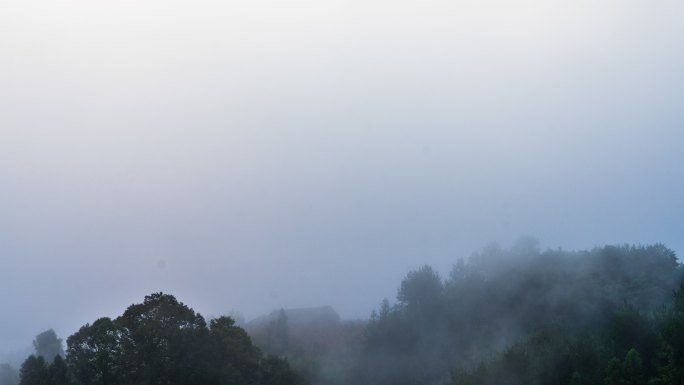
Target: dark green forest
(160,341)
(612,315)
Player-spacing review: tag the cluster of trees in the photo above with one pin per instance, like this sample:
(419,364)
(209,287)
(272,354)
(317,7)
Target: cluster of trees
(160,341)
(48,360)
(635,349)
(548,317)
(608,316)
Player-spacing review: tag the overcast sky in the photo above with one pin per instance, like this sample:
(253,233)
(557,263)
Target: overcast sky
(256,154)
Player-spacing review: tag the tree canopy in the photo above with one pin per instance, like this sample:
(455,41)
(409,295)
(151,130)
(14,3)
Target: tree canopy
(609,316)
(549,317)
(160,342)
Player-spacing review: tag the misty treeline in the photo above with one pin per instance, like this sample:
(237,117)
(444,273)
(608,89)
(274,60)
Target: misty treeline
(611,316)
(160,341)
(517,316)
(315,341)
(521,316)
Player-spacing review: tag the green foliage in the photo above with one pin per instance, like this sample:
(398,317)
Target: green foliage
(523,316)
(671,341)
(57,372)
(614,372)
(661,334)
(629,371)
(160,342)
(95,353)
(238,361)
(633,368)
(34,371)
(276,371)
(506,317)
(421,288)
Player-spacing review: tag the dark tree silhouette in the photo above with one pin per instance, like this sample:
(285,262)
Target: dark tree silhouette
(158,342)
(34,371)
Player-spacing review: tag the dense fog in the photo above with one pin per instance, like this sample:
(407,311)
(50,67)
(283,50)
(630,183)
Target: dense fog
(252,156)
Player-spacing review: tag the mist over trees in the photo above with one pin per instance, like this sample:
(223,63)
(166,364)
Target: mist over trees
(315,341)
(8,375)
(612,315)
(523,316)
(635,349)
(48,346)
(514,316)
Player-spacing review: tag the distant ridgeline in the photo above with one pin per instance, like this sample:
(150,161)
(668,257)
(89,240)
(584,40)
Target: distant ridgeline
(521,316)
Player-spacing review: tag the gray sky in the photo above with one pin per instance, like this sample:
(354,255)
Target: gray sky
(256,154)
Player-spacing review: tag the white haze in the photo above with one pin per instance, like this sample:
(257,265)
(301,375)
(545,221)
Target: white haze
(254,155)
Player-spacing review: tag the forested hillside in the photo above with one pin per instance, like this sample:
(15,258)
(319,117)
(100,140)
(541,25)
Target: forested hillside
(609,316)
(522,316)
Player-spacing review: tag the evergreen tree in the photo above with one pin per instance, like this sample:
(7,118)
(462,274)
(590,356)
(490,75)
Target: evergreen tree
(34,371)
(57,372)
(633,369)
